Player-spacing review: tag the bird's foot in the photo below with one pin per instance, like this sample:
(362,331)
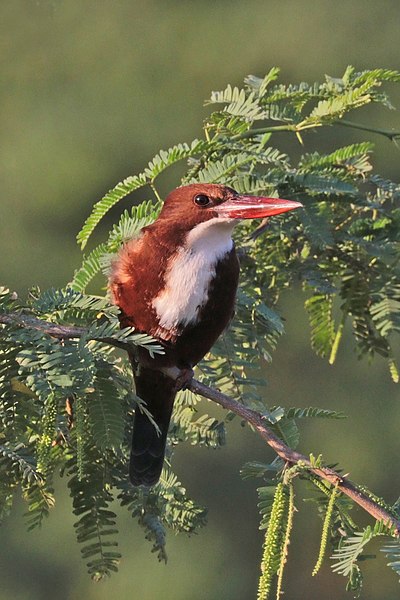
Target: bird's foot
(182,377)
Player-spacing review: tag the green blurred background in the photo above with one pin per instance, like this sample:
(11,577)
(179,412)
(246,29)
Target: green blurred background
(90,91)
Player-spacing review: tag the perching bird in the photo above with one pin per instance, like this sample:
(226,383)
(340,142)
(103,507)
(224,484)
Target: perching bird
(177,282)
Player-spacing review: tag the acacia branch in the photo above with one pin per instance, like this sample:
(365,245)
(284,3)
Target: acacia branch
(290,456)
(61,332)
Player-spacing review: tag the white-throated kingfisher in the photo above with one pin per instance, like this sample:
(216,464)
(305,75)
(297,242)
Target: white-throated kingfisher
(177,282)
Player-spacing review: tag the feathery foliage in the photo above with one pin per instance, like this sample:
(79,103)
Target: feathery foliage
(350,552)
(67,402)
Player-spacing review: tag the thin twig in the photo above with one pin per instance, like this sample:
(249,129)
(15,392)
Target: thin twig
(389,133)
(393,136)
(251,416)
(61,332)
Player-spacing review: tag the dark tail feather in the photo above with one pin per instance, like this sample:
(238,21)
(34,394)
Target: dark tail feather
(148,445)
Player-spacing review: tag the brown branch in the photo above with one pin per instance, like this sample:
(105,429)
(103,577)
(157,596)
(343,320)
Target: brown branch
(29,322)
(293,457)
(61,332)
(251,416)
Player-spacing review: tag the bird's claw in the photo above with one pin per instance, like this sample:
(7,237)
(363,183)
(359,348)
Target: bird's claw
(182,377)
(183,380)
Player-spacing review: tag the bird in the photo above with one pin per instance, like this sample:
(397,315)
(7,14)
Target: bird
(177,282)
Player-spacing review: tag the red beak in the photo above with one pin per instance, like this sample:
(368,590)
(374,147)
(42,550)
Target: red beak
(254,207)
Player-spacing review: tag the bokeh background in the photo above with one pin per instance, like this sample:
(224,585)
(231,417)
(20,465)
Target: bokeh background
(90,90)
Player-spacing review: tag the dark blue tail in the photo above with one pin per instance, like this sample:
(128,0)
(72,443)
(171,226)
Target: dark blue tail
(148,445)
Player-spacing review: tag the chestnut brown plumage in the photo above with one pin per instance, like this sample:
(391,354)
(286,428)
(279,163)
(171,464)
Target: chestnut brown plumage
(177,282)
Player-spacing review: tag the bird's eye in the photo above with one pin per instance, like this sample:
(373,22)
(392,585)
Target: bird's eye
(202,200)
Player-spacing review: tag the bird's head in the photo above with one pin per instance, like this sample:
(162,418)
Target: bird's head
(199,202)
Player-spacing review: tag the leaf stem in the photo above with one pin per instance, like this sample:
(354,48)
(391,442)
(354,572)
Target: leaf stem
(153,187)
(296,128)
(391,135)
(261,130)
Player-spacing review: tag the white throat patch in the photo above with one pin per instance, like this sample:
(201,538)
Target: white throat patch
(188,278)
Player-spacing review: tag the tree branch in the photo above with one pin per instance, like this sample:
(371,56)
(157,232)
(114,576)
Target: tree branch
(370,505)
(393,136)
(293,457)
(389,133)
(61,332)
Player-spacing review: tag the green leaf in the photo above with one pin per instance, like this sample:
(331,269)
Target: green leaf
(106,414)
(313,412)
(88,270)
(347,555)
(161,161)
(353,158)
(385,312)
(121,190)
(319,308)
(259,84)
(166,158)
(392,551)
(222,171)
